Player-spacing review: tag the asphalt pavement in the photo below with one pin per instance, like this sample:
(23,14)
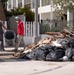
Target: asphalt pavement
(32,67)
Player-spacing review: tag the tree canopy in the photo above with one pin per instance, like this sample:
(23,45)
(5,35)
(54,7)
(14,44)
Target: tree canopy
(18,11)
(3,0)
(64,5)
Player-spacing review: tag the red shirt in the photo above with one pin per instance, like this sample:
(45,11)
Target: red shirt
(20,28)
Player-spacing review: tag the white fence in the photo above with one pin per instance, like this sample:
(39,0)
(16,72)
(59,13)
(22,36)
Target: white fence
(30,29)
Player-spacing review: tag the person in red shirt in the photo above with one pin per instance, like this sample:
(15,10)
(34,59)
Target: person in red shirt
(20,32)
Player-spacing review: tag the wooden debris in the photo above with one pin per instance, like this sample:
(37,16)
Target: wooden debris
(54,35)
(30,46)
(63,34)
(17,55)
(40,43)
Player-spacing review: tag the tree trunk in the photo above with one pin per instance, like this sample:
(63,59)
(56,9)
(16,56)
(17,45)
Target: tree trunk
(2,13)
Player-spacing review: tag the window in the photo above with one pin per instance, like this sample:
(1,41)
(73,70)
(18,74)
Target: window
(45,2)
(38,4)
(33,5)
(19,3)
(10,6)
(9,2)
(28,5)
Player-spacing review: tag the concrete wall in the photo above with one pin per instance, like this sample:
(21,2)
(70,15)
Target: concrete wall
(28,40)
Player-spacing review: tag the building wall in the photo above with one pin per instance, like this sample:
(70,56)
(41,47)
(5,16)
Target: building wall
(27,2)
(10,4)
(44,9)
(45,16)
(14,3)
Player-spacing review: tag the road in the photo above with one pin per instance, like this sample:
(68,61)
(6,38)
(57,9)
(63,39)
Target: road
(31,67)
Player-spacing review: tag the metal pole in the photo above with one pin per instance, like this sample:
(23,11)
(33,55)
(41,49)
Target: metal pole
(36,17)
(51,15)
(36,37)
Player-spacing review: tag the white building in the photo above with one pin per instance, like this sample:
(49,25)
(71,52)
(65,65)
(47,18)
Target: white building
(17,3)
(45,9)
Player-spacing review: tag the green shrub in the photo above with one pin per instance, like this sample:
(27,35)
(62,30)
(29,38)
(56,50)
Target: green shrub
(18,11)
(56,29)
(44,28)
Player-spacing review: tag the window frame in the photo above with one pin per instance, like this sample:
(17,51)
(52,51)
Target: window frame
(9,4)
(19,3)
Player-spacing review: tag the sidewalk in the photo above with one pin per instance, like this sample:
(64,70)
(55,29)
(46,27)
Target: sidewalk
(11,48)
(8,53)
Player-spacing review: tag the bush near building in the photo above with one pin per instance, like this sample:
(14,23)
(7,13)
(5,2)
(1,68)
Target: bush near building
(18,11)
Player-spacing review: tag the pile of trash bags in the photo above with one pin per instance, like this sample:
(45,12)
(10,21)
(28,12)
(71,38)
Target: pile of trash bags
(50,52)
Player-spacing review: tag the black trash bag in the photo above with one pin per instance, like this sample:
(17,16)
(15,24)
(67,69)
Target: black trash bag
(65,43)
(36,54)
(72,58)
(71,42)
(46,48)
(72,51)
(29,55)
(69,53)
(65,46)
(72,54)
(56,54)
(39,54)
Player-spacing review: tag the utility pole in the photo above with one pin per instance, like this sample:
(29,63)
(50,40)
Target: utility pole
(51,14)
(36,37)
(36,17)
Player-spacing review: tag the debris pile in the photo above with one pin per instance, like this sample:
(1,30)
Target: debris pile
(60,46)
